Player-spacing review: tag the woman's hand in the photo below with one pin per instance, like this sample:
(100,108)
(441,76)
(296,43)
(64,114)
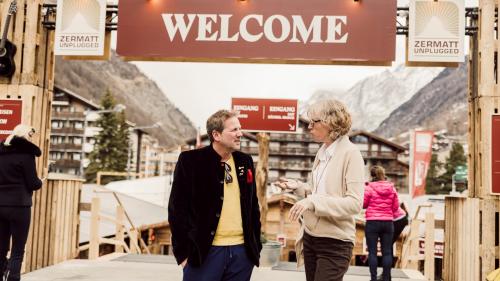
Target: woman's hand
(299,208)
(287,184)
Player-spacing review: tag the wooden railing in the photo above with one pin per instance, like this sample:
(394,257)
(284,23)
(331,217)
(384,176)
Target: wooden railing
(65,146)
(53,235)
(287,165)
(67,131)
(283,150)
(410,255)
(121,221)
(68,115)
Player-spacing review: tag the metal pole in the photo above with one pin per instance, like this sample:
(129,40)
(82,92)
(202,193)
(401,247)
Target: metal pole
(84,139)
(129,154)
(138,156)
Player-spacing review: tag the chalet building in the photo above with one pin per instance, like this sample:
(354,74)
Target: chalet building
(67,129)
(292,155)
(74,115)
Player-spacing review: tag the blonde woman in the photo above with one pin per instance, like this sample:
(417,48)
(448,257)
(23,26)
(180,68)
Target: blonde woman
(332,199)
(18,180)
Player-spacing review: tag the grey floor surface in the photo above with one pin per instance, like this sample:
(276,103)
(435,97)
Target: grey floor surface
(164,268)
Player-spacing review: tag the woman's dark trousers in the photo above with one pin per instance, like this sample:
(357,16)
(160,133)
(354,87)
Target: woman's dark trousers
(14,224)
(326,259)
(385,231)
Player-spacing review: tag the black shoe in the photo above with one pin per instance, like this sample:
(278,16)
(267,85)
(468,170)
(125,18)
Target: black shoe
(380,278)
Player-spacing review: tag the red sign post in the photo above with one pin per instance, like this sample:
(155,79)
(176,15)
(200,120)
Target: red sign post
(10,116)
(267,115)
(495,154)
(279,31)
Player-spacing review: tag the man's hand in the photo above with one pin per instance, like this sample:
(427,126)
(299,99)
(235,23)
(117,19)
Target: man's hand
(184,263)
(299,208)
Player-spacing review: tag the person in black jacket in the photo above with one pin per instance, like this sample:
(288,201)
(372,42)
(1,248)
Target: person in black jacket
(18,180)
(213,209)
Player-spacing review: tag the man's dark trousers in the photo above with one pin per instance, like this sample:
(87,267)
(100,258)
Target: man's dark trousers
(223,263)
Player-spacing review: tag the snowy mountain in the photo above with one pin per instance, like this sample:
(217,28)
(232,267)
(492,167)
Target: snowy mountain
(371,100)
(442,104)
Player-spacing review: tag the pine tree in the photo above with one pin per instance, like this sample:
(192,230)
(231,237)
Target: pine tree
(457,157)
(111,144)
(432,182)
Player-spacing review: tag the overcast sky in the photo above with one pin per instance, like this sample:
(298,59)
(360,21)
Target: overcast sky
(199,89)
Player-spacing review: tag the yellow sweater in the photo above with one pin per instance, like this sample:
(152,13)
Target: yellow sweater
(230,228)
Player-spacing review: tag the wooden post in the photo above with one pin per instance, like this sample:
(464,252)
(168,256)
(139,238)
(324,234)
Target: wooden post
(261,177)
(94,228)
(120,228)
(134,248)
(429,246)
(410,250)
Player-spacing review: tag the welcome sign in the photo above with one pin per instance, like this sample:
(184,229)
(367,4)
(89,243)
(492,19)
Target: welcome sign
(313,31)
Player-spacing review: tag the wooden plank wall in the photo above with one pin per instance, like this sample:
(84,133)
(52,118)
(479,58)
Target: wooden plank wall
(55,208)
(53,236)
(33,79)
(471,232)
(466,227)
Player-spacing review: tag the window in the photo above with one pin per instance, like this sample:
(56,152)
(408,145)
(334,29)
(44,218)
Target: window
(359,139)
(78,125)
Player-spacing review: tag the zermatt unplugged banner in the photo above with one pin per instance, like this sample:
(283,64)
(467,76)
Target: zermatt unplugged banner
(279,31)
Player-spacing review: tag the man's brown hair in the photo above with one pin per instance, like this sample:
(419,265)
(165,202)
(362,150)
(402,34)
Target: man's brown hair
(216,122)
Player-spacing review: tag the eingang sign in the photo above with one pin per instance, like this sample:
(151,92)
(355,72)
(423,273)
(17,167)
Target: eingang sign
(281,31)
(267,115)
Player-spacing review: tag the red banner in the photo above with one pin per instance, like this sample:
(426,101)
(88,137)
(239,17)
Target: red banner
(421,153)
(495,154)
(10,116)
(267,115)
(312,31)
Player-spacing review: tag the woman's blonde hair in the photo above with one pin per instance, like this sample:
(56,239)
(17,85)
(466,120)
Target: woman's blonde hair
(334,114)
(377,173)
(20,131)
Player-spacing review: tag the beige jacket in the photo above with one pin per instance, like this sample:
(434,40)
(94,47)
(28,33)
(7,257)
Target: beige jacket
(332,215)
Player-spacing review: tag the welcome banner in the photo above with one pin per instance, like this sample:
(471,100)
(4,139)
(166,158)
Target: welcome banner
(313,31)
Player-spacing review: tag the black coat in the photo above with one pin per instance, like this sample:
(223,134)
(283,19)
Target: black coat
(18,177)
(196,200)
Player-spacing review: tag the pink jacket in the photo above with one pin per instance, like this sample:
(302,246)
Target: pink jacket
(381,201)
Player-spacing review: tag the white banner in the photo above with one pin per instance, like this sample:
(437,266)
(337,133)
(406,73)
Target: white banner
(80,27)
(436,31)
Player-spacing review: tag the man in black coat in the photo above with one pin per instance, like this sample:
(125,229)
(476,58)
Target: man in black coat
(213,209)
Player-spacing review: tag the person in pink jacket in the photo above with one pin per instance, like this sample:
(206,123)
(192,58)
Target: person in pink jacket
(381,204)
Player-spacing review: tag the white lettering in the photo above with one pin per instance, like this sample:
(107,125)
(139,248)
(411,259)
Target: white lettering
(180,25)
(246,107)
(6,111)
(3,121)
(244,31)
(285,28)
(282,109)
(275,28)
(335,28)
(204,26)
(224,29)
(315,27)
